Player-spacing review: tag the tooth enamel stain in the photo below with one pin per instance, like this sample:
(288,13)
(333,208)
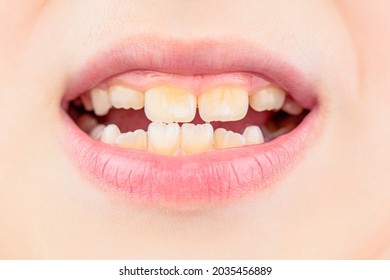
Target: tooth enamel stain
(223,104)
(110,133)
(196,138)
(100,101)
(169,104)
(97,131)
(267,99)
(133,140)
(253,135)
(126,98)
(164,138)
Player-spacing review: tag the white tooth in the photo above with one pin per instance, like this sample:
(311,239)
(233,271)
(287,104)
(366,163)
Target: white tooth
(227,139)
(110,133)
(169,104)
(133,140)
(291,107)
(267,99)
(100,101)
(253,135)
(86,101)
(124,97)
(86,122)
(164,138)
(223,104)
(97,131)
(196,138)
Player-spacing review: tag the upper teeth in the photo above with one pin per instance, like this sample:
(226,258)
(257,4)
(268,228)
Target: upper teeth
(171,104)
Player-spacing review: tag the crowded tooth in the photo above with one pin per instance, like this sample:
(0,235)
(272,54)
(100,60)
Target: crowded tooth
(227,139)
(223,104)
(164,138)
(110,133)
(169,104)
(133,140)
(291,107)
(126,98)
(86,101)
(87,122)
(100,101)
(97,131)
(253,135)
(267,99)
(196,138)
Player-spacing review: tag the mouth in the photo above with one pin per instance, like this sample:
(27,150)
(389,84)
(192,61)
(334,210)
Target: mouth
(162,121)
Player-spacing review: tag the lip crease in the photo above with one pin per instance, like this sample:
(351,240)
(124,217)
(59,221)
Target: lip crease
(218,175)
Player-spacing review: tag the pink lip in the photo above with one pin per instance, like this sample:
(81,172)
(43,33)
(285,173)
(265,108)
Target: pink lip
(213,176)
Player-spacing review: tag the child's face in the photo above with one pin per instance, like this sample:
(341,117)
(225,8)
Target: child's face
(320,190)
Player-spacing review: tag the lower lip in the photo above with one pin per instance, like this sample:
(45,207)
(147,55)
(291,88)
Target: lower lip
(218,175)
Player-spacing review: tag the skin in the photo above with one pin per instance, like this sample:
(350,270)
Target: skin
(334,204)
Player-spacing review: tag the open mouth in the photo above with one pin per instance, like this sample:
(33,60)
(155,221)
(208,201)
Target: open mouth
(157,133)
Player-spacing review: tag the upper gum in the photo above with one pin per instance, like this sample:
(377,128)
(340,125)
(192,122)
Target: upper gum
(195,84)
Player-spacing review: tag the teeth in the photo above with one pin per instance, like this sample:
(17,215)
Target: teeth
(196,138)
(169,104)
(164,138)
(227,139)
(97,131)
(133,140)
(291,107)
(87,123)
(267,99)
(100,101)
(123,97)
(86,101)
(253,135)
(223,104)
(110,133)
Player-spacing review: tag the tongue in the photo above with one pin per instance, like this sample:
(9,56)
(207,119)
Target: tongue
(130,120)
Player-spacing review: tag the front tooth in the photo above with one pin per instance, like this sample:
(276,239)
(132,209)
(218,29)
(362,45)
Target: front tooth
(253,135)
(267,99)
(168,104)
(124,97)
(223,104)
(164,138)
(133,140)
(100,101)
(110,133)
(227,139)
(196,138)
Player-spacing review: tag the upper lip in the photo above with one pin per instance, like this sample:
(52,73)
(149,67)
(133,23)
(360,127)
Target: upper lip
(215,175)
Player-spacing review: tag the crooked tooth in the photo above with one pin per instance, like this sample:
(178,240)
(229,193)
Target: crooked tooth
(87,122)
(97,131)
(133,140)
(110,133)
(253,135)
(223,104)
(227,139)
(100,101)
(291,107)
(267,99)
(126,98)
(196,138)
(164,138)
(169,104)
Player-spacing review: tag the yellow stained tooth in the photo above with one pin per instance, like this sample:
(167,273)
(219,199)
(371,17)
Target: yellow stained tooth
(100,101)
(223,104)
(227,139)
(196,138)
(133,140)
(267,99)
(164,138)
(124,97)
(169,104)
